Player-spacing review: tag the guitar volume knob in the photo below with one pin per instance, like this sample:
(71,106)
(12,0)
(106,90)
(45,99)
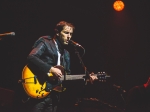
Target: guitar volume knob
(42,94)
(38,97)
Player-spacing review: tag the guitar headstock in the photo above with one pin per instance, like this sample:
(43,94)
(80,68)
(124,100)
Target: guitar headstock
(102,76)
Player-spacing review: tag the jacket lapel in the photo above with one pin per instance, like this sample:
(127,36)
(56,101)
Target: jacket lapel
(54,49)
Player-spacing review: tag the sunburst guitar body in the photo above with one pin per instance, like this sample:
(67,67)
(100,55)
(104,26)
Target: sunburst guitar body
(31,84)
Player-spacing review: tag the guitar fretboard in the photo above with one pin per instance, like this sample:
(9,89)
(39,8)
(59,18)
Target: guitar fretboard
(82,76)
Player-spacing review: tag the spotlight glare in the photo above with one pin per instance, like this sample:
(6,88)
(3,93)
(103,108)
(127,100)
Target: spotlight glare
(118,5)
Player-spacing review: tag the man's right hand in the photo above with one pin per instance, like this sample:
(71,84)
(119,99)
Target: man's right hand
(56,71)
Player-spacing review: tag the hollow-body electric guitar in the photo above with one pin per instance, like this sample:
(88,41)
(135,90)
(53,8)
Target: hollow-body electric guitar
(37,90)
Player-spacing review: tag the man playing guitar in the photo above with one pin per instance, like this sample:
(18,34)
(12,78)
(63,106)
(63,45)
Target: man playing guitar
(49,58)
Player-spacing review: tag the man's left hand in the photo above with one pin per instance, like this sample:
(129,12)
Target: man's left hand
(92,77)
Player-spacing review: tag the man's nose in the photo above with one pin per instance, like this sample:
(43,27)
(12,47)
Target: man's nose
(69,36)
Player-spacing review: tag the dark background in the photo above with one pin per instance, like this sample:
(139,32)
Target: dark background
(115,42)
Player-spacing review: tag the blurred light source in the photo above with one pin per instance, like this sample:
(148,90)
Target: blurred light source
(118,5)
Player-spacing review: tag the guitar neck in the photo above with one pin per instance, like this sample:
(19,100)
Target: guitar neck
(82,76)
(72,77)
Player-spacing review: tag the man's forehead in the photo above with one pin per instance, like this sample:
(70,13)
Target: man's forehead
(67,28)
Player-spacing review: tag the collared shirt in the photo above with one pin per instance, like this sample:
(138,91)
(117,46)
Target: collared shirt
(59,55)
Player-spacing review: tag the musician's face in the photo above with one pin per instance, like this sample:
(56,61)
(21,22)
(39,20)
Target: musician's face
(65,35)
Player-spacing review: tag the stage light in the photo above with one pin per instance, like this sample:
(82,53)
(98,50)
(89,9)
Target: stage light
(118,5)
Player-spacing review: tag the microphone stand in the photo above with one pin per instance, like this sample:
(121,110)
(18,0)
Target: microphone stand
(79,101)
(82,64)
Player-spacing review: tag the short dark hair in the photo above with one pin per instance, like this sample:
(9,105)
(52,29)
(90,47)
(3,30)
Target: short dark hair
(61,24)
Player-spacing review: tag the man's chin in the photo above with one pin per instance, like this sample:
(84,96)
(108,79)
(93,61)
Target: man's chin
(65,44)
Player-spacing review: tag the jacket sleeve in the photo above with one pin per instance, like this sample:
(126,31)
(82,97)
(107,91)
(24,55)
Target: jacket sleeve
(34,56)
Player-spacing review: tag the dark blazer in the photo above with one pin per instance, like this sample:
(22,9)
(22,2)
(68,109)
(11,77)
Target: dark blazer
(44,55)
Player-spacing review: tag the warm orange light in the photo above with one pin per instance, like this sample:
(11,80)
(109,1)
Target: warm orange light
(118,5)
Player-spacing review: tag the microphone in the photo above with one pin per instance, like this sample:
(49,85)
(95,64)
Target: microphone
(74,43)
(8,34)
